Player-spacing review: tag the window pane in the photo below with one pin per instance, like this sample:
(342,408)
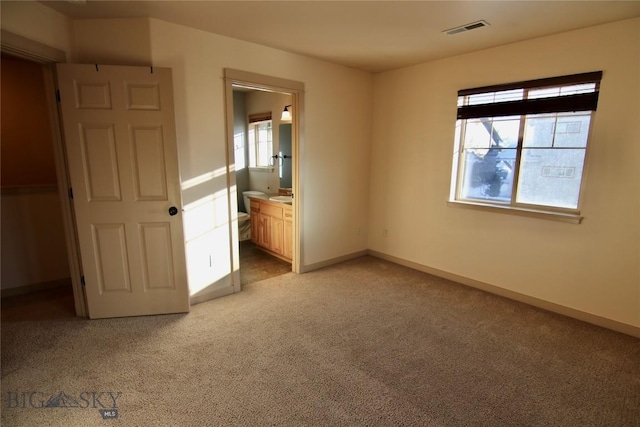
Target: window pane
(539,130)
(488,176)
(506,131)
(557,130)
(550,177)
(263,154)
(572,130)
(260,143)
(483,134)
(477,137)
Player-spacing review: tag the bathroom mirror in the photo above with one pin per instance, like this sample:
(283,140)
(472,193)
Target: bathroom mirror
(284,155)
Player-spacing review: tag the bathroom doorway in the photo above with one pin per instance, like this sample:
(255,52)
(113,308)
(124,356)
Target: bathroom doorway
(263,122)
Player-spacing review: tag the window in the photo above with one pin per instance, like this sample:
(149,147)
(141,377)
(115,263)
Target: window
(260,140)
(523,145)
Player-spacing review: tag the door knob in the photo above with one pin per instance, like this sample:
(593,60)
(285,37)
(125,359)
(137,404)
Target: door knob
(173,210)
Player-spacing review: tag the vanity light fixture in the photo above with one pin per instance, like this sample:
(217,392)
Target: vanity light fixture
(286,114)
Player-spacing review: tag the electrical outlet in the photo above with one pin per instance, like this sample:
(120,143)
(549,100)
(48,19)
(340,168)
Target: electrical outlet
(385,232)
(358,231)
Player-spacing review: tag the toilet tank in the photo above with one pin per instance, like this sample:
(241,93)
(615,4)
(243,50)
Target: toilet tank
(247,194)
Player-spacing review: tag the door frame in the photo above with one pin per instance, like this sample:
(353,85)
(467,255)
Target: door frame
(265,83)
(48,56)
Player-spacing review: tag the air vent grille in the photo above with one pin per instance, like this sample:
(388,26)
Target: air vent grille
(467,27)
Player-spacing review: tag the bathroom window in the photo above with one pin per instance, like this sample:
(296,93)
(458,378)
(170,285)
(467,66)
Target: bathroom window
(523,145)
(260,140)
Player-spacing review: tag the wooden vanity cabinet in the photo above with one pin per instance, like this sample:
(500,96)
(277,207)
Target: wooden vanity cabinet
(271,227)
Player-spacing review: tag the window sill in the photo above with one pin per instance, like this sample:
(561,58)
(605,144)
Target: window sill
(573,218)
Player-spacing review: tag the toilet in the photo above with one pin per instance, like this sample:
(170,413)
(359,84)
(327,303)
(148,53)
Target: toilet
(244,218)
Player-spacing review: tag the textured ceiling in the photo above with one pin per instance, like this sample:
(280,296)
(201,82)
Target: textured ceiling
(369,35)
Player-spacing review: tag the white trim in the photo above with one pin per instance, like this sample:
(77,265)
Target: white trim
(515,210)
(251,80)
(232,192)
(526,299)
(332,261)
(296,91)
(207,296)
(24,48)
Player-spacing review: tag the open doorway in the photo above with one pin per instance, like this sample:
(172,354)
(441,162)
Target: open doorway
(35,272)
(42,59)
(263,156)
(263,122)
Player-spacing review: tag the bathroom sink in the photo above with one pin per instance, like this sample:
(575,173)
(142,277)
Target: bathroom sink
(282,199)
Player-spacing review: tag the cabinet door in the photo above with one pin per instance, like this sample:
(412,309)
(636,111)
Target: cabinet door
(277,236)
(255,227)
(264,233)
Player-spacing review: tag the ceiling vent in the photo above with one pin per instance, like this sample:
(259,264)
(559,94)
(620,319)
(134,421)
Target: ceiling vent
(467,27)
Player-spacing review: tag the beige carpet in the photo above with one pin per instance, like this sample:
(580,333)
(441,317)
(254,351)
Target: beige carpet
(363,343)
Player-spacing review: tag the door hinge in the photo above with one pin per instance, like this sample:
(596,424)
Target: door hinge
(58,96)
(71,193)
(82,281)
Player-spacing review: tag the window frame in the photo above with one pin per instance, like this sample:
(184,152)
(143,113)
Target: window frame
(523,109)
(254,121)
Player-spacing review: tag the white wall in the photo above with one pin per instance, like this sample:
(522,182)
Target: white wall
(39,23)
(335,143)
(91,50)
(336,139)
(33,243)
(592,267)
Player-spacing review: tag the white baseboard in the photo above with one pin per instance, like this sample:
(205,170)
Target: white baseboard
(327,263)
(207,296)
(536,302)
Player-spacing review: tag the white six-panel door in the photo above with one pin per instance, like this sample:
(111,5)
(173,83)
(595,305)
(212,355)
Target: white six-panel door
(121,151)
